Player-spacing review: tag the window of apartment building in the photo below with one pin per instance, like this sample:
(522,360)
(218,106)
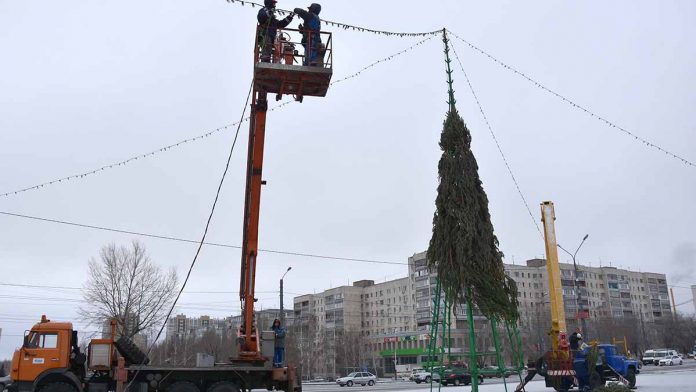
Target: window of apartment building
(517,274)
(536,285)
(524,294)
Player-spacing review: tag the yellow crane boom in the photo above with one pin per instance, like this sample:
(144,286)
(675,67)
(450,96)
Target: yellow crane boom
(558,320)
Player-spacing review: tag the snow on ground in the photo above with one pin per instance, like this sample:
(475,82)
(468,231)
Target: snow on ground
(673,381)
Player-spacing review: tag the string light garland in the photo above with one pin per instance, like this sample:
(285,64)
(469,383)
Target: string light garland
(382,60)
(575,105)
(199,137)
(497,144)
(346,26)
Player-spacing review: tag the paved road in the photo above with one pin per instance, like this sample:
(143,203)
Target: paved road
(401,386)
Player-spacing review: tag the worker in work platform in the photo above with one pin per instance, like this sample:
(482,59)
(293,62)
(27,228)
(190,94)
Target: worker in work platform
(269,26)
(311,39)
(279,351)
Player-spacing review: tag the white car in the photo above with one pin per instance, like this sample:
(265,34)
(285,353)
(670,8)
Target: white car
(422,376)
(671,360)
(362,378)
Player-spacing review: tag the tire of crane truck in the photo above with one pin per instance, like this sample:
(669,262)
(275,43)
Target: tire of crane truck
(631,377)
(130,352)
(58,387)
(223,386)
(182,386)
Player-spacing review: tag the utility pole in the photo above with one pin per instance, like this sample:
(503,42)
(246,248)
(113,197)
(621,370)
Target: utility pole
(580,311)
(282,312)
(674,304)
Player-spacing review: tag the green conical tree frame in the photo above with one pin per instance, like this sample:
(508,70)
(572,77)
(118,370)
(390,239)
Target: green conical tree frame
(498,302)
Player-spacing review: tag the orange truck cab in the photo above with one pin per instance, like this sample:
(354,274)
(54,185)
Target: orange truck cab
(49,360)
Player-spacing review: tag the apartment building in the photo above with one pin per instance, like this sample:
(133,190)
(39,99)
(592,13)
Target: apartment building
(181,326)
(604,292)
(372,316)
(393,318)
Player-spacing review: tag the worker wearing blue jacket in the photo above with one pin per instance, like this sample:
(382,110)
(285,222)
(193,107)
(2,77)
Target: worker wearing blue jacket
(311,38)
(269,26)
(279,343)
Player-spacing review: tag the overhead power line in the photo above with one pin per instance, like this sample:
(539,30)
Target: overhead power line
(574,104)
(205,232)
(497,144)
(346,26)
(186,240)
(80,288)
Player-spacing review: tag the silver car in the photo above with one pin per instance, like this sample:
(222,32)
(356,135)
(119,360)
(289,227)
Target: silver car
(362,378)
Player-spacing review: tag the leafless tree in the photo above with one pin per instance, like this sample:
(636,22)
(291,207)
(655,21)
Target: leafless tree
(124,284)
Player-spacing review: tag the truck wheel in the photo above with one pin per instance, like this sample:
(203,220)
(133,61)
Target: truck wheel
(418,381)
(223,386)
(58,387)
(428,379)
(349,383)
(130,352)
(631,377)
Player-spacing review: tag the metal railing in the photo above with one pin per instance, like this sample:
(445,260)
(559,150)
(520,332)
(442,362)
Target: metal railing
(285,47)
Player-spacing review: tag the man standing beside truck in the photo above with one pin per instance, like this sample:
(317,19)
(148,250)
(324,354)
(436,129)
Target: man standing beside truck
(279,351)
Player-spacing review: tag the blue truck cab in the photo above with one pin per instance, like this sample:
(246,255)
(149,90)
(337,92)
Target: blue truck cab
(610,366)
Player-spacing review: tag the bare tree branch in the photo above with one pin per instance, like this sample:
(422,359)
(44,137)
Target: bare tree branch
(124,284)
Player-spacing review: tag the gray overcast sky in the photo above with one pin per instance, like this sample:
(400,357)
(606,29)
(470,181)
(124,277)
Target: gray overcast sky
(354,174)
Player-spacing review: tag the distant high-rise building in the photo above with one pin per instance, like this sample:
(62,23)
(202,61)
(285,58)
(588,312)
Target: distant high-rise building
(693,296)
(180,326)
(393,319)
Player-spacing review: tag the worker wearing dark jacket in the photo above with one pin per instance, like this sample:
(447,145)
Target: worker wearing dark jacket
(575,340)
(279,351)
(311,38)
(269,26)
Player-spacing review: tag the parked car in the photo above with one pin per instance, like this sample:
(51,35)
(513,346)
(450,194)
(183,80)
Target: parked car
(457,376)
(671,360)
(422,376)
(362,378)
(412,377)
(493,371)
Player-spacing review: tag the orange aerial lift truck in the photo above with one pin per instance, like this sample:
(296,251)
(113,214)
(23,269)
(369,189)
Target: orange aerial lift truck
(561,367)
(50,359)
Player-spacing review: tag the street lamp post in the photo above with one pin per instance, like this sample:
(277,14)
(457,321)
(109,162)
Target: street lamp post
(282,312)
(575,282)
